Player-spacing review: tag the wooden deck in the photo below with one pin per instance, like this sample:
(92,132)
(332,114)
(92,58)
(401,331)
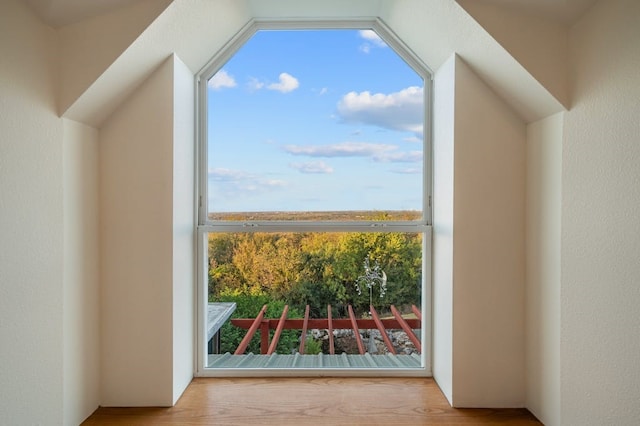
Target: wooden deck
(314,362)
(317,401)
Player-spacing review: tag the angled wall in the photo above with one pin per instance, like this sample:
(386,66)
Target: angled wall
(146,242)
(544,198)
(183,226)
(443,172)
(488,247)
(81,319)
(136,206)
(478,261)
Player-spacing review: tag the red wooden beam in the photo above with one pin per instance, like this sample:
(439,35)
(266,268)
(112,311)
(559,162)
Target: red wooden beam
(356,333)
(303,336)
(276,335)
(332,349)
(338,323)
(406,328)
(417,312)
(382,330)
(252,330)
(264,336)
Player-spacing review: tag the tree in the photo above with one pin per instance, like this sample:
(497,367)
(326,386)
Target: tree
(316,268)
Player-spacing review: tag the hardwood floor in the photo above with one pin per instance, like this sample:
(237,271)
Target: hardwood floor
(311,401)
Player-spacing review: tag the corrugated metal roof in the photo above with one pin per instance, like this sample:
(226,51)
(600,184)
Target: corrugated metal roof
(314,361)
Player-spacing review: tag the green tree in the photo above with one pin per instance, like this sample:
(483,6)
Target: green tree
(249,306)
(316,268)
(399,255)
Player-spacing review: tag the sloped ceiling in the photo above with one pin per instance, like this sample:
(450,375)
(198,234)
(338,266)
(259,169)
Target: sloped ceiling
(562,11)
(195,29)
(58,13)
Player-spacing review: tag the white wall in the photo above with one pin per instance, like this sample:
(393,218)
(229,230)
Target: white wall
(183,227)
(31,222)
(443,162)
(81,305)
(600,299)
(479,182)
(136,246)
(488,247)
(599,235)
(544,183)
(147,242)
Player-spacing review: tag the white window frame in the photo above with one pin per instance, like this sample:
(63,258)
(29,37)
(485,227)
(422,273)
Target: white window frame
(205,226)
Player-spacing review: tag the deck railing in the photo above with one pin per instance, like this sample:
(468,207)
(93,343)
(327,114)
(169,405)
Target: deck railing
(283,323)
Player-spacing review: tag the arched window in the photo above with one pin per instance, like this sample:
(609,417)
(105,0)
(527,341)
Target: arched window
(314,199)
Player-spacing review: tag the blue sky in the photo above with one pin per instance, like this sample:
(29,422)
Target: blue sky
(315,120)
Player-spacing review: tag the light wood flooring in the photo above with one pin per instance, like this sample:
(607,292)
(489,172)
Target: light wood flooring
(311,401)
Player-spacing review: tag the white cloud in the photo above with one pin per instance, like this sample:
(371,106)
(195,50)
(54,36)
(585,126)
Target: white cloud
(381,153)
(286,83)
(254,84)
(372,36)
(323,91)
(221,174)
(316,167)
(221,80)
(344,149)
(365,48)
(401,110)
(413,139)
(400,157)
(372,40)
(407,171)
(238,183)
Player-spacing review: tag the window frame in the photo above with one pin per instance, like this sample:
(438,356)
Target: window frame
(205,226)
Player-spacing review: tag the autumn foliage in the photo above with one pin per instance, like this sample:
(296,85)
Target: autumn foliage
(315,268)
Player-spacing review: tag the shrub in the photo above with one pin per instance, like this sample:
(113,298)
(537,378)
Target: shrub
(249,306)
(312,346)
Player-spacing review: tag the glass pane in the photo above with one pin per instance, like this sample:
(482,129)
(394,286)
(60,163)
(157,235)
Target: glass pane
(250,270)
(315,122)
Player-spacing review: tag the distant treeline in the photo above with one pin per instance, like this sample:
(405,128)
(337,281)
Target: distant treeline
(333,216)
